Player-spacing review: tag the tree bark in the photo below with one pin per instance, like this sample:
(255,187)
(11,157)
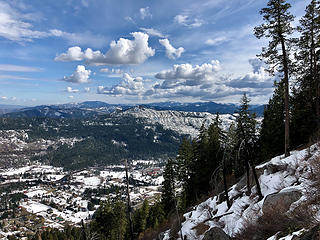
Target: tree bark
(286,98)
(248,177)
(255,175)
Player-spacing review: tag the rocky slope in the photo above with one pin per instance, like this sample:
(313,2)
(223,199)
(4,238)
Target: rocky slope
(285,184)
(182,122)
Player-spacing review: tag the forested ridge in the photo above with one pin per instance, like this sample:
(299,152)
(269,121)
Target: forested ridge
(102,140)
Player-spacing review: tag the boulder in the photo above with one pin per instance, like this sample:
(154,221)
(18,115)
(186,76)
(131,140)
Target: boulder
(280,201)
(216,233)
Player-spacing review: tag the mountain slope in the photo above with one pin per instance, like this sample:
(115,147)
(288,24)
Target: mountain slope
(94,108)
(280,175)
(104,139)
(182,122)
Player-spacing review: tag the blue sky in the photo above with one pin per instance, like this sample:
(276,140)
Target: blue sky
(132,51)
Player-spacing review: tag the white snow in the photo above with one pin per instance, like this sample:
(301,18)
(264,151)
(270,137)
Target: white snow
(35,193)
(244,208)
(89,181)
(179,121)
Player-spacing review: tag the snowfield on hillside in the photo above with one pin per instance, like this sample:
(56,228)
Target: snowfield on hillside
(292,174)
(183,122)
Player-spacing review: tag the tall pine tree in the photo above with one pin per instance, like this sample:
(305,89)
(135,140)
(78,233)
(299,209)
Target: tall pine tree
(277,28)
(168,187)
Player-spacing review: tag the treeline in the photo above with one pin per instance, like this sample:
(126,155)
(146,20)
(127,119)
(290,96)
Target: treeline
(214,160)
(292,115)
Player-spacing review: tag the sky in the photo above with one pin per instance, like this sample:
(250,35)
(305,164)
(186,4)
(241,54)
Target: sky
(132,51)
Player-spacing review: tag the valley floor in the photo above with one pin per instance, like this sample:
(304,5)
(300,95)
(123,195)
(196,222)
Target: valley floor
(38,196)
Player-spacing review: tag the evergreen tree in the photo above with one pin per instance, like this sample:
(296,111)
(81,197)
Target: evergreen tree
(305,111)
(185,168)
(184,161)
(308,44)
(272,128)
(168,187)
(111,220)
(277,28)
(156,215)
(207,158)
(141,216)
(229,143)
(248,141)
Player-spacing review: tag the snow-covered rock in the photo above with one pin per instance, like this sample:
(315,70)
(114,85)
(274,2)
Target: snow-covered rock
(274,178)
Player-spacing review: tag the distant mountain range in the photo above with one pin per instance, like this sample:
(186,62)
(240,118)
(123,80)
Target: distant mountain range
(108,133)
(94,108)
(9,108)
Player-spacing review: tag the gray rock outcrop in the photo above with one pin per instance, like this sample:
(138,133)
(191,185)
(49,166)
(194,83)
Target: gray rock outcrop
(280,201)
(216,233)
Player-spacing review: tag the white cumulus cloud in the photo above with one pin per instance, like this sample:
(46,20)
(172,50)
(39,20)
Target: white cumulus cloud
(186,74)
(171,52)
(80,75)
(181,19)
(202,82)
(73,54)
(127,86)
(123,51)
(205,82)
(258,78)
